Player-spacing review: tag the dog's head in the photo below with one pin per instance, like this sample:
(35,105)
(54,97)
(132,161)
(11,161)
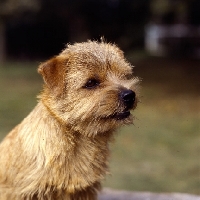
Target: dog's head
(90,87)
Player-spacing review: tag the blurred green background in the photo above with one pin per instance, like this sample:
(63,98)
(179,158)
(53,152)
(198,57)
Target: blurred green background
(161,151)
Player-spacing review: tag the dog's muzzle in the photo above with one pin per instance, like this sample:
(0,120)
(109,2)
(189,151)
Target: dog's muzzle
(128,98)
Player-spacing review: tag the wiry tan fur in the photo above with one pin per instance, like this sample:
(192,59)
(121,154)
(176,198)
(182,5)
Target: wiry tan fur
(60,150)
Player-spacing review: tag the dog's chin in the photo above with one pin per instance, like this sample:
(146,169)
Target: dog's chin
(102,124)
(121,116)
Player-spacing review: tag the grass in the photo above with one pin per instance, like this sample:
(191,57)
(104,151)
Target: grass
(161,151)
(19,84)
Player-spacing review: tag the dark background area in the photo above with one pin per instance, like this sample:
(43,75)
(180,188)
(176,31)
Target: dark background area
(41,29)
(45,32)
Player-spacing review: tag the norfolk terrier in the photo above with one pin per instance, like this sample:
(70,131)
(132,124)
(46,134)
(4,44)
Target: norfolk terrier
(60,150)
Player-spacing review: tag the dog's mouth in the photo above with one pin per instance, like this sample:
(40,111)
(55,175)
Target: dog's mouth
(122,115)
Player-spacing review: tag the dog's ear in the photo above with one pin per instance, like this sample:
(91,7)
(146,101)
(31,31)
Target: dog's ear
(53,72)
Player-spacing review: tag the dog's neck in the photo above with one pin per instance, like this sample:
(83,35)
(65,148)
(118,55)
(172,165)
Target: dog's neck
(69,161)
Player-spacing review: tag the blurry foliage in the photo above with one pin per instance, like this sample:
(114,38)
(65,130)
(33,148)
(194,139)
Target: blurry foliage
(14,7)
(60,22)
(54,23)
(10,9)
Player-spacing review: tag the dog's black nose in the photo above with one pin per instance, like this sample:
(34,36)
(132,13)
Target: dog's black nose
(128,98)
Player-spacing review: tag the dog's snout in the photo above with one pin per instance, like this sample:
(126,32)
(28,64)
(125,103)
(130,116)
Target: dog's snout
(128,98)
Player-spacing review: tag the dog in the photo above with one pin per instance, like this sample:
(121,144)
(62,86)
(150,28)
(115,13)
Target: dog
(60,150)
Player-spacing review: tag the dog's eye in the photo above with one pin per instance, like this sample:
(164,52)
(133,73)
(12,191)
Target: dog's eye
(92,83)
(129,76)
